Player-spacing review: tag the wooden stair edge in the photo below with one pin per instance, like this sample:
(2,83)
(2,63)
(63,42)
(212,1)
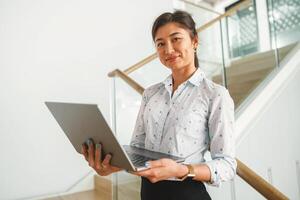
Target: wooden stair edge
(283,51)
(118,73)
(103,183)
(88,195)
(254,75)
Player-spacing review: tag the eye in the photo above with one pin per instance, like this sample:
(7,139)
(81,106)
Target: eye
(176,39)
(159,44)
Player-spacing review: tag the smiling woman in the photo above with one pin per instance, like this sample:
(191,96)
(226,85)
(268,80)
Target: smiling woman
(185,115)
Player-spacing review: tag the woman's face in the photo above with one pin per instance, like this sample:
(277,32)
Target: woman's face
(175,47)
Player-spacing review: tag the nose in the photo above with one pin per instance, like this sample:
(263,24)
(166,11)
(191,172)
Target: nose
(169,48)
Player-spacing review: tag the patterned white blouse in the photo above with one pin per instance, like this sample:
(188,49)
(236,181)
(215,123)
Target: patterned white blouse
(198,117)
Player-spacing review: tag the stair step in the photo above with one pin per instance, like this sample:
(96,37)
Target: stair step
(237,70)
(86,195)
(257,61)
(126,191)
(244,77)
(283,51)
(241,91)
(242,86)
(104,186)
(129,191)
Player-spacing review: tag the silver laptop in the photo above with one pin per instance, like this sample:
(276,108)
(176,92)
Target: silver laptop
(83,121)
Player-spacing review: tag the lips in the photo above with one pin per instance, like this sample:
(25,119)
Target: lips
(171,58)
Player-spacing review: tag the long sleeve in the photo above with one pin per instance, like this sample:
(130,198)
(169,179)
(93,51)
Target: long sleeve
(139,135)
(222,142)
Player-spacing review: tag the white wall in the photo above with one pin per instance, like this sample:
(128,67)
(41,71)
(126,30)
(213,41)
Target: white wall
(271,147)
(62,51)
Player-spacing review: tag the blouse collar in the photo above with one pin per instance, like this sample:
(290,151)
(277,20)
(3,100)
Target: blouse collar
(196,79)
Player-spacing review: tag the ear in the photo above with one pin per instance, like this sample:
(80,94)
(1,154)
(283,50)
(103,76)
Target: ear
(195,42)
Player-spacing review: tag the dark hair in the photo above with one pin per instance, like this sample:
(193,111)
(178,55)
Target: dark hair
(184,20)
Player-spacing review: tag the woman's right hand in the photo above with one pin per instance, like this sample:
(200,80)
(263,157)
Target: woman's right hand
(93,155)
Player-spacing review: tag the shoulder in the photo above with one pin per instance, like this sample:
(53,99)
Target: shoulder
(152,90)
(217,92)
(214,89)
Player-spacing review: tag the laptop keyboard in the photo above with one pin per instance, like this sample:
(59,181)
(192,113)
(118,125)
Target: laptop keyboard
(138,160)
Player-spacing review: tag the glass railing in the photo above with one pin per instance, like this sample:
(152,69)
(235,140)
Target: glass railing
(126,103)
(210,56)
(254,45)
(151,73)
(242,47)
(238,52)
(242,31)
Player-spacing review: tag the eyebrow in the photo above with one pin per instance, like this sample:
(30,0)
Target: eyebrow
(172,34)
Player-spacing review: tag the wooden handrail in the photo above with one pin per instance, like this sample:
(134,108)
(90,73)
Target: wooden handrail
(226,14)
(140,64)
(200,29)
(137,87)
(258,183)
(135,66)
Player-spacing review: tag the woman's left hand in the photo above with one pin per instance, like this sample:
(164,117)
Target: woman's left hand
(163,169)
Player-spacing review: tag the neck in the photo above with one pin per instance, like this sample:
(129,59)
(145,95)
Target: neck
(181,75)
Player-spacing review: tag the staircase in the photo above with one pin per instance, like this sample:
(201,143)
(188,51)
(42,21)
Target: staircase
(245,74)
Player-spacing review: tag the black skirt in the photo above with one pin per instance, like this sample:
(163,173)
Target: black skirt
(174,190)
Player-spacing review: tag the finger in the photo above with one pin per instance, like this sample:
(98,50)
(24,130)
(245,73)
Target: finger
(154,163)
(98,156)
(153,179)
(141,172)
(106,160)
(84,151)
(147,173)
(91,151)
